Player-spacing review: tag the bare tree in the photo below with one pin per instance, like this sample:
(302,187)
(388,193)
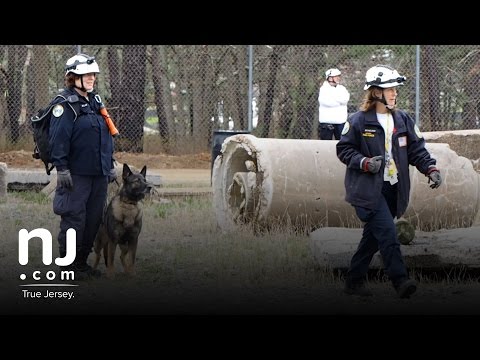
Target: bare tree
(16,59)
(431,116)
(115,78)
(269,93)
(160,85)
(130,124)
(202,103)
(471,109)
(3,89)
(39,84)
(23,86)
(306,98)
(239,57)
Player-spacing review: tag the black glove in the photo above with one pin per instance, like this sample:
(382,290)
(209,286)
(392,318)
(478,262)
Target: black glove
(64,179)
(434,176)
(112,175)
(373,164)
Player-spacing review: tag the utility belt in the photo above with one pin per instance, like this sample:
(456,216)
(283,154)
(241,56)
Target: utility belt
(327,126)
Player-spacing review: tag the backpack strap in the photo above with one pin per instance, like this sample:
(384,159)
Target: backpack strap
(71,100)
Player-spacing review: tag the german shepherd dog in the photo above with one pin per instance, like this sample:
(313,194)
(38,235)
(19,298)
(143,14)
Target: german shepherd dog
(122,223)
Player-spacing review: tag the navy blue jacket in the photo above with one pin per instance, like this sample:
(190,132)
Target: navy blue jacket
(365,138)
(83,145)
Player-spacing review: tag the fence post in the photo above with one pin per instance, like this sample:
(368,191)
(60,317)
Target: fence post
(417,87)
(250,87)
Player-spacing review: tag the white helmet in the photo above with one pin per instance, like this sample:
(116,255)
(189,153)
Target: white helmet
(383,76)
(332,72)
(81,64)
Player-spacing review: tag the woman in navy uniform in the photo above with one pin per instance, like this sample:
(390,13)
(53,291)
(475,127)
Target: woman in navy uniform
(82,152)
(378,144)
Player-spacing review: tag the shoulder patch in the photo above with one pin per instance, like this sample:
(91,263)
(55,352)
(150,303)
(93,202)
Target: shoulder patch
(57,110)
(417,132)
(346,128)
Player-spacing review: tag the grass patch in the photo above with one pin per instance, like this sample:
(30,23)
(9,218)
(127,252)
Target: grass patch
(186,264)
(32,197)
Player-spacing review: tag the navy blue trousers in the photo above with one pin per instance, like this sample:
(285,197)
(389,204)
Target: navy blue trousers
(326,131)
(379,233)
(81,208)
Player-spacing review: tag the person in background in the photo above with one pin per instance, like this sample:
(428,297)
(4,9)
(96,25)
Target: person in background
(378,144)
(332,99)
(82,152)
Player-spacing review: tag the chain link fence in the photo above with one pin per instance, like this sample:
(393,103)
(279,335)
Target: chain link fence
(170,98)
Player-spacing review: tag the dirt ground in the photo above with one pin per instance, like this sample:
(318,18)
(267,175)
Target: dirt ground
(23,159)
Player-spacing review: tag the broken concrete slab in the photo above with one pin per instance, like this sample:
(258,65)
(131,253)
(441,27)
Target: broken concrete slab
(464,142)
(24,179)
(334,247)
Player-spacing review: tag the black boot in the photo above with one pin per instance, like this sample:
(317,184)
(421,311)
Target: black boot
(356,288)
(63,253)
(82,269)
(406,288)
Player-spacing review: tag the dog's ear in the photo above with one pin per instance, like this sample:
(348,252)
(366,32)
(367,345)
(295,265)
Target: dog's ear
(126,171)
(144,171)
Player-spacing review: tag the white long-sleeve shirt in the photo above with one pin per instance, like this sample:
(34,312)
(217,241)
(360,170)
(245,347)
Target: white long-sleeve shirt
(333,102)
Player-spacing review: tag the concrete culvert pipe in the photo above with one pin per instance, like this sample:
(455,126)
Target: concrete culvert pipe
(300,182)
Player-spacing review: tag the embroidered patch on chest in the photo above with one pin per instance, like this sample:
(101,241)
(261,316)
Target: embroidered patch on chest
(369,132)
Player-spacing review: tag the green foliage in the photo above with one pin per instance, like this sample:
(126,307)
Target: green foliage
(152,120)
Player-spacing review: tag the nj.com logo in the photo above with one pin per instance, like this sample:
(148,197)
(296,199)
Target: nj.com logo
(24,236)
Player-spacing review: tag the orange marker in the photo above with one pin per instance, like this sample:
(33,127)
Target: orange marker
(108,120)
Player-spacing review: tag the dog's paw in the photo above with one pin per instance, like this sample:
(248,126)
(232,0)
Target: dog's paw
(130,272)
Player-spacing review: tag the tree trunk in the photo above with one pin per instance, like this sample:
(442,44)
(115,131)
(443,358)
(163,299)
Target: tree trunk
(3,100)
(240,86)
(159,76)
(133,87)
(16,56)
(201,114)
(432,122)
(306,94)
(470,114)
(270,91)
(113,104)
(40,76)
(23,86)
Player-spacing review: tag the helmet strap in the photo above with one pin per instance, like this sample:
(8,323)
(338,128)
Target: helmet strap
(83,86)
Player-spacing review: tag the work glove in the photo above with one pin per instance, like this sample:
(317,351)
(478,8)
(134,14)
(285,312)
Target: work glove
(434,176)
(64,179)
(112,175)
(373,164)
